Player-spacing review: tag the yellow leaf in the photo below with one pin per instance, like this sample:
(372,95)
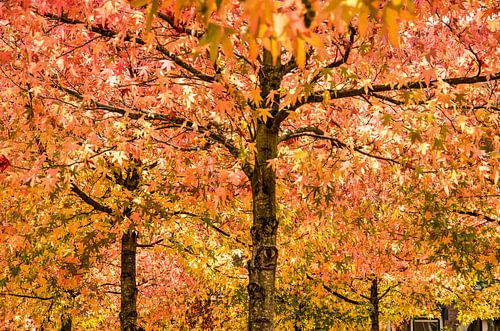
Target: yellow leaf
(212,38)
(406,15)
(332,5)
(275,49)
(492,258)
(301,53)
(391,25)
(363,23)
(73,227)
(253,49)
(262,29)
(264,114)
(446,240)
(280,22)
(428,215)
(256,97)
(227,46)
(152,10)
(326,97)
(138,3)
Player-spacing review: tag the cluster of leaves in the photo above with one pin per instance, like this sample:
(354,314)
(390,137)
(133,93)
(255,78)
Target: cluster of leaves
(144,116)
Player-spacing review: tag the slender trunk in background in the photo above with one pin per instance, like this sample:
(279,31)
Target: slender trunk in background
(128,309)
(374,300)
(128,284)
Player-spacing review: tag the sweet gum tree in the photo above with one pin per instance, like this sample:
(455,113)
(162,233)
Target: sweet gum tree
(268,105)
(83,189)
(380,261)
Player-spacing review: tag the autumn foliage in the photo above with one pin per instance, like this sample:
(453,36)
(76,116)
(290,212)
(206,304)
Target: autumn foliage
(224,165)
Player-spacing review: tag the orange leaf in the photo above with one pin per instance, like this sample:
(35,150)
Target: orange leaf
(391,25)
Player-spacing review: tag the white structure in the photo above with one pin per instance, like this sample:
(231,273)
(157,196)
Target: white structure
(437,324)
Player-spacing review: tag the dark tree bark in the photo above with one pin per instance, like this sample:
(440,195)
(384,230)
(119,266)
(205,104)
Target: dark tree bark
(128,308)
(128,289)
(262,265)
(374,309)
(128,283)
(66,322)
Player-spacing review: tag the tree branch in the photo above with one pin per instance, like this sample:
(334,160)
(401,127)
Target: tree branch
(135,114)
(333,292)
(112,34)
(340,94)
(476,214)
(234,151)
(179,28)
(27,296)
(173,121)
(220,138)
(388,290)
(339,144)
(207,222)
(283,113)
(388,99)
(422,102)
(150,244)
(112,292)
(341,61)
(88,200)
(297,133)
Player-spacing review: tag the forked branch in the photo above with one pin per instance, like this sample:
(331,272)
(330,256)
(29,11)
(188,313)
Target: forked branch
(112,34)
(336,143)
(335,293)
(90,201)
(342,60)
(169,121)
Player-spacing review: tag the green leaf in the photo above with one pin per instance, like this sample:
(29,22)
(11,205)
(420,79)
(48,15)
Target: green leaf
(216,36)
(386,119)
(153,9)
(444,130)
(438,143)
(212,36)
(139,3)
(415,136)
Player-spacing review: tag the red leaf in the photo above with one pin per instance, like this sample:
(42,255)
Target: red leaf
(171,115)
(5,57)
(4,162)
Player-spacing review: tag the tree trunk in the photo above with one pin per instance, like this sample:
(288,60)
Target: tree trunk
(128,309)
(262,265)
(374,300)
(66,322)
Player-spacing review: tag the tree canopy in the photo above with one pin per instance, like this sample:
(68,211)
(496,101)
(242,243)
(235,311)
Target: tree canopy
(257,164)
